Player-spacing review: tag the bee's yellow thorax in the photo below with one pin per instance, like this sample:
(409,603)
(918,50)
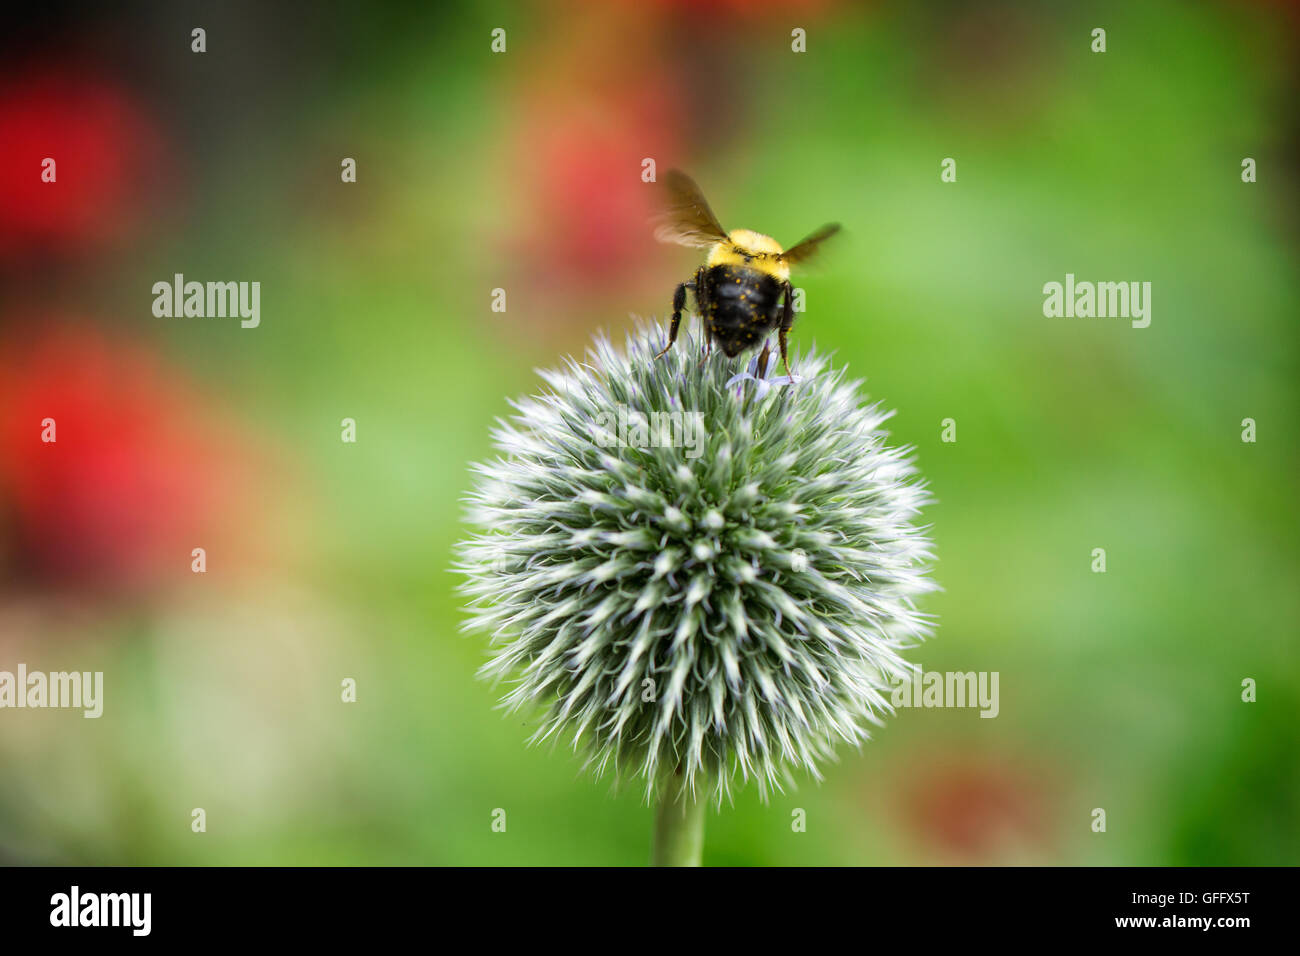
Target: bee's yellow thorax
(752,250)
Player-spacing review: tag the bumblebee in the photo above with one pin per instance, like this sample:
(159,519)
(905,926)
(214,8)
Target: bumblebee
(743,291)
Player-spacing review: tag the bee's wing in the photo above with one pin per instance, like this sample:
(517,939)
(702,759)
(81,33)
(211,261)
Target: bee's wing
(805,249)
(687,219)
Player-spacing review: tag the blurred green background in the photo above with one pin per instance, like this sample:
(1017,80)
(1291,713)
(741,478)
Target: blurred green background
(522,171)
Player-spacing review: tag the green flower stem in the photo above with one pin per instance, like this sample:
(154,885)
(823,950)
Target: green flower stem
(679,829)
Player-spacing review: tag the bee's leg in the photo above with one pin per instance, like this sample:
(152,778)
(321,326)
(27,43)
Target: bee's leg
(787,320)
(702,306)
(762,359)
(679,303)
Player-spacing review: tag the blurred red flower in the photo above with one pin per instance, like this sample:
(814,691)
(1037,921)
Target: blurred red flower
(749,8)
(583,170)
(107,154)
(976,810)
(133,481)
(584,115)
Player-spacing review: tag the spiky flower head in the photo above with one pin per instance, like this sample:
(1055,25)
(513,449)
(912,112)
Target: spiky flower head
(697,576)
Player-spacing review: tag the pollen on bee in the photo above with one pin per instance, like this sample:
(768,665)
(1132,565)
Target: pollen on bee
(751,250)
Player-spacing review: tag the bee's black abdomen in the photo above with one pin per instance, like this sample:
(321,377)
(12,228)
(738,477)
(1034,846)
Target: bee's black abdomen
(740,307)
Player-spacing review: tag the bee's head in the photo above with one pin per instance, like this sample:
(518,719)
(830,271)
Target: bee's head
(752,249)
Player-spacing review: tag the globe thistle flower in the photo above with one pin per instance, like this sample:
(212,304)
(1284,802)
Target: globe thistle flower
(697,575)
